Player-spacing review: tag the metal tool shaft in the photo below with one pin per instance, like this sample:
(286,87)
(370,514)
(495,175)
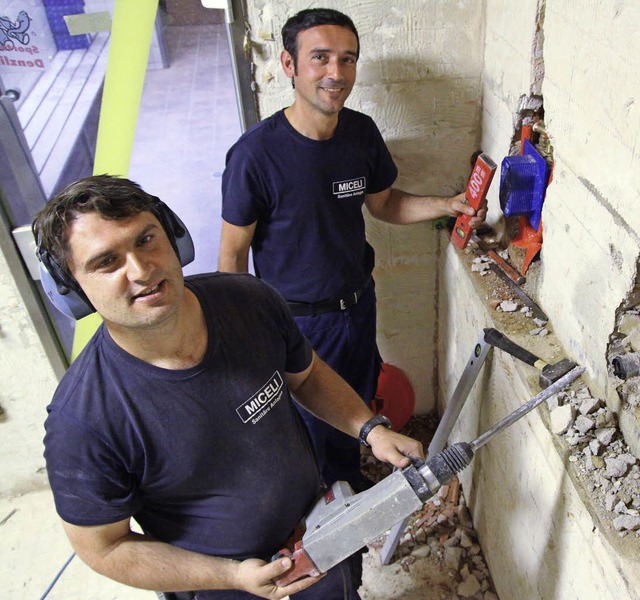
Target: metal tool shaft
(527,407)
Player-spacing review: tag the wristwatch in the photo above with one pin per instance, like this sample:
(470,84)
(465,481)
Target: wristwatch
(369,425)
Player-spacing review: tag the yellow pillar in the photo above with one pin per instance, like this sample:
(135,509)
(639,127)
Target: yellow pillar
(131,33)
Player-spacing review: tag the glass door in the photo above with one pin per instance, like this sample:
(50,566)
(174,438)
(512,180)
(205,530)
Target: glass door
(52,68)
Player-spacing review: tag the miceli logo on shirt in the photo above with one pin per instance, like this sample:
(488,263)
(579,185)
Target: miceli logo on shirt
(262,401)
(350,187)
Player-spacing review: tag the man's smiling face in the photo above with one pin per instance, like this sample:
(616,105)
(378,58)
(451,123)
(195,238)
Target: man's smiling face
(325,70)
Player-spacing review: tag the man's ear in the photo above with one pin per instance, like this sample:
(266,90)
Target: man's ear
(287,64)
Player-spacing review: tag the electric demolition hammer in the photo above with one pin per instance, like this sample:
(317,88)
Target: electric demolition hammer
(342,522)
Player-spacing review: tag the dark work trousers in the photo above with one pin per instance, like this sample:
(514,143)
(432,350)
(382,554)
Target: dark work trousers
(337,584)
(346,341)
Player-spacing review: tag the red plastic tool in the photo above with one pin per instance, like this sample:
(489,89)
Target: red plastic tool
(476,192)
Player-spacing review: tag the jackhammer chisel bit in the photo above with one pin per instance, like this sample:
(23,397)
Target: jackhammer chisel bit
(341,522)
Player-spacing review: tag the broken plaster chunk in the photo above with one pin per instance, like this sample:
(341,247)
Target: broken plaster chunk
(629,323)
(595,446)
(452,556)
(588,462)
(540,322)
(619,465)
(604,436)
(562,419)
(605,418)
(583,424)
(554,402)
(466,541)
(509,305)
(634,340)
(536,331)
(479,267)
(544,332)
(421,552)
(627,523)
(469,587)
(620,508)
(610,501)
(590,405)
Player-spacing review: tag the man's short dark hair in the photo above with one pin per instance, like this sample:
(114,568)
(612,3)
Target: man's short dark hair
(112,197)
(313,17)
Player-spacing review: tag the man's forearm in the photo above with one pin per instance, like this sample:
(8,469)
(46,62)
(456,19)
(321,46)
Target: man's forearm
(142,562)
(402,208)
(330,398)
(233,263)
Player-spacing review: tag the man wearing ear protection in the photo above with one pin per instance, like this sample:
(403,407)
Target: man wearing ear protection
(179,412)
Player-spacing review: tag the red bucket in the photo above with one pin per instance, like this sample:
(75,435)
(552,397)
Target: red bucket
(394,397)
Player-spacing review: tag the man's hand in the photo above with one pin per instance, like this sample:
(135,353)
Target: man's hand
(393,447)
(457,205)
(256,577)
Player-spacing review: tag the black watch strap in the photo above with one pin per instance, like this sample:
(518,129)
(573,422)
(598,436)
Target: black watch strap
(369,425)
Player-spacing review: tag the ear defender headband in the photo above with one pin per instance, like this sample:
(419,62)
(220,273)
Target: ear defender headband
(63,290)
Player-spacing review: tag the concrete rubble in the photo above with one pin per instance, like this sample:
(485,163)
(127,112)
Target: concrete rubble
(600,455)
(589,428)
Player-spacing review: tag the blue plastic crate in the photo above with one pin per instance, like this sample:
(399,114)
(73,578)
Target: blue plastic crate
(63,2)
(64,41)
(56,14)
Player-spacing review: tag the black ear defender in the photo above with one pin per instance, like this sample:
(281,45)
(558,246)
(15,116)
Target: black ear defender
(63,290)
(177,232)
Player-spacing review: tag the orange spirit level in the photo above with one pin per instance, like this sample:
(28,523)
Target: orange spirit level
(477,188)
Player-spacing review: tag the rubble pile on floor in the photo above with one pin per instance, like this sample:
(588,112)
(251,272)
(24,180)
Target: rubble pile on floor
(442,531)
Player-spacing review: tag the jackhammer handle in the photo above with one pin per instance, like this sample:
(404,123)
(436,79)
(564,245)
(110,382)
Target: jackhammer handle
(499,340)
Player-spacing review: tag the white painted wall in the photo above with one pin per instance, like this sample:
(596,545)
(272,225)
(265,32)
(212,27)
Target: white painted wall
(592,223)
(419,79)
(541,534)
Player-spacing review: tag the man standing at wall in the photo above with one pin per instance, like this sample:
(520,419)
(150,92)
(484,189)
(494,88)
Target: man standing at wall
(293,191)
(178,412)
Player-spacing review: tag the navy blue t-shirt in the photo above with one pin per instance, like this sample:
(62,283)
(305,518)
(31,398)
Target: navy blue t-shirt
(306,196)
(213,458)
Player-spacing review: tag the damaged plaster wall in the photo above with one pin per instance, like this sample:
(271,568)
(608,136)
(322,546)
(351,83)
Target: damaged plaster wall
(419,79)
(527,487)
(591,218)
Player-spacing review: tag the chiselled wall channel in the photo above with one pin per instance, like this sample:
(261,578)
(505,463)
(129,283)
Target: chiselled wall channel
(555,497)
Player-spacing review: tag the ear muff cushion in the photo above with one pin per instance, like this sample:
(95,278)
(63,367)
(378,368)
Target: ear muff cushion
(70,304)
(177,232)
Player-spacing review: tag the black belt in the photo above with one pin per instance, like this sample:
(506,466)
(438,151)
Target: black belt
(304,309)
